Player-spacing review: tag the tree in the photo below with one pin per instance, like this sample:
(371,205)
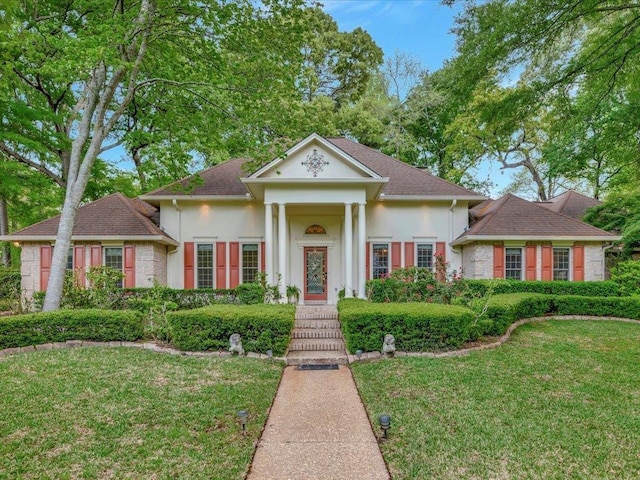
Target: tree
(337,64)
(74,69)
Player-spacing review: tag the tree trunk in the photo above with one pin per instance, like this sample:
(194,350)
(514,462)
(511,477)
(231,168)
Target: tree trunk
(4,230)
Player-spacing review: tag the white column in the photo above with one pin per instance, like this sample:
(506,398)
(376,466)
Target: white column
(348,251)
(362,251)
(268,242)
(282,251)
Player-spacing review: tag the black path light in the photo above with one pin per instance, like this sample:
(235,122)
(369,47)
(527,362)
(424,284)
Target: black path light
(385,423)
(359,354)
(243,415)
(270,354)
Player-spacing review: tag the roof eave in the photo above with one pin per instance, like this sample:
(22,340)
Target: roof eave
(193,198)
(165,240)
(469,198)
(466,239)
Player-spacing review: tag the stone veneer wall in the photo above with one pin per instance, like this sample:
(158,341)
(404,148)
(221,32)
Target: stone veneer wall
(477,261)
(30,268)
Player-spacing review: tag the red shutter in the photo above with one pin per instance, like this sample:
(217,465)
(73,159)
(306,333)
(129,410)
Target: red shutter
(578,263)
(221,265)
(234,264)
(396,258)
(129,266)
(409,248)
(530,262)
(78,263)
(189,263)
(368,263)
(45,265)
(96,256)
(547,262)
(498,261)
(262,257)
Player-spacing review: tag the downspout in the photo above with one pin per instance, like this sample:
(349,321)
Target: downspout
(457,252)
(179,210)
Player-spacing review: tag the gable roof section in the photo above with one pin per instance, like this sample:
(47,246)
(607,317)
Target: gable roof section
(513,218)
(220,180)
(112,217)
(570,203)
(404,179)
(314,138)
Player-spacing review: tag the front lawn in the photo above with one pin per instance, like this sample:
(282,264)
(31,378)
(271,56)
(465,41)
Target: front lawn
(130,413)
(559,400)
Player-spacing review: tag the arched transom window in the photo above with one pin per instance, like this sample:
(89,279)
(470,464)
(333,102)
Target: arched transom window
(315,230)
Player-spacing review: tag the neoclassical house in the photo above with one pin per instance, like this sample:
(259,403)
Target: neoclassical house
(326,216)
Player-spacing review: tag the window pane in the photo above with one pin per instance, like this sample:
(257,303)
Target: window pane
(113,259)
(249,262)
(425,256)
(70,259)
(380,260)
(513,263)
(205,265)
(561,264)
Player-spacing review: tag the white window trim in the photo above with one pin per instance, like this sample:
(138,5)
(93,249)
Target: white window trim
(433,249)
(371,256)
(570,267)
(213,263)
(522,260)
(248,242)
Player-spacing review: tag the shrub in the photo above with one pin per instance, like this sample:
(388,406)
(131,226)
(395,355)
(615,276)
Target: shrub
(262,327)
(502,310)
(6,304)
(627,276)
(250,293)
(62,325)
(625,307)
(415,326)
(9,283)
(589,289)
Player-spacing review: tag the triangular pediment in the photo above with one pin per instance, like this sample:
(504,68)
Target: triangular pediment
(315,157)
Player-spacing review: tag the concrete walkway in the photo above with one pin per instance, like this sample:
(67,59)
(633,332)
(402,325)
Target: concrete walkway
(318,429)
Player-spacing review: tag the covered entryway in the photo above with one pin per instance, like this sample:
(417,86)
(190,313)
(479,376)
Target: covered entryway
(315,274)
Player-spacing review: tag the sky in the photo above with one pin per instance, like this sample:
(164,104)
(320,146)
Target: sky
(420,28)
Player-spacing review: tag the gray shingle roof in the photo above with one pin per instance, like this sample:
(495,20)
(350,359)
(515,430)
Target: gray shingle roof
(114,215)
(570,203)
(514,216)
(224,179)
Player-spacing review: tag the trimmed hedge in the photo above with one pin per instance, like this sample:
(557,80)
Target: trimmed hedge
(415,326)
(624,307)
(62,325)
(503,310)
(557,287)
(262,327)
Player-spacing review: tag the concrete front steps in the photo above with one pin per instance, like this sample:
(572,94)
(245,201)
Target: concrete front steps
(316,338)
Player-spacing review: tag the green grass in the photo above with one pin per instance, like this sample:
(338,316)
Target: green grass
(130,413)
(559,400)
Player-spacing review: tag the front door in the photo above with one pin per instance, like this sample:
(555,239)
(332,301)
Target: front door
(315,273)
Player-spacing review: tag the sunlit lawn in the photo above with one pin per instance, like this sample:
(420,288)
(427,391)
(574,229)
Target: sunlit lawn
(559,400)
(130,413)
